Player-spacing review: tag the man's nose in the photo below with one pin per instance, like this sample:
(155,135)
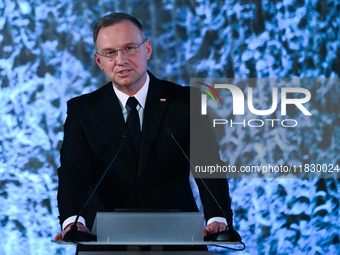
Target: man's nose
(121,57)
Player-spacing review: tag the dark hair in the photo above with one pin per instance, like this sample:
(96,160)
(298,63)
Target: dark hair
(114,18)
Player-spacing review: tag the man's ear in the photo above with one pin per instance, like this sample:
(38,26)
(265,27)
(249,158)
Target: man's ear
(148,48)
(96,56)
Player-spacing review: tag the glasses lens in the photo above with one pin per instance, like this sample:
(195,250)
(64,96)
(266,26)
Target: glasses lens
(129,51)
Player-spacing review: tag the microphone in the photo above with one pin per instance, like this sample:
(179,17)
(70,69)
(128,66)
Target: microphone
(222,236)
(73,234)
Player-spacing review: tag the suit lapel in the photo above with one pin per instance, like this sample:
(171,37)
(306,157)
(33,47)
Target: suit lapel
(156,103)
(110,110)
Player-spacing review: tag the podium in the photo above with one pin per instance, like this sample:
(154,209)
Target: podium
(147,233)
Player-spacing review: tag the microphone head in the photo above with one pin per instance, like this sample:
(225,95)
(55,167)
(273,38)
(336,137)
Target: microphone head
(169,132)
(126,133)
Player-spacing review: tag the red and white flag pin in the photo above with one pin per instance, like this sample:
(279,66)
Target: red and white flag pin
(162,100)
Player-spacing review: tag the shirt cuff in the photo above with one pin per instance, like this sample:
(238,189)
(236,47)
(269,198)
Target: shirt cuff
(217,219)
(72,219)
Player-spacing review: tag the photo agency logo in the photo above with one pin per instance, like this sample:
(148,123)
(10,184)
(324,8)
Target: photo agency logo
(268,127)
(296,97)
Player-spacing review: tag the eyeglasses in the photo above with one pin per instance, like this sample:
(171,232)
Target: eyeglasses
(127,51)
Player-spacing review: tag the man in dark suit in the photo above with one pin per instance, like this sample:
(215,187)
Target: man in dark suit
(154,174)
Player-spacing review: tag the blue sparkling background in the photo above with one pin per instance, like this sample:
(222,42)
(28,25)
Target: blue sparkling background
(46,58)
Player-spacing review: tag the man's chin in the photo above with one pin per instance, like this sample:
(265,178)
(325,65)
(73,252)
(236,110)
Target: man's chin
(127,87)
(123,83)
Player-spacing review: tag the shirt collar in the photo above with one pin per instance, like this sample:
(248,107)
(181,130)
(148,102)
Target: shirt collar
(140,95)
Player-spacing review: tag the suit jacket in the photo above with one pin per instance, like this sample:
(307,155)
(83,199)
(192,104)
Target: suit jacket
(160,180)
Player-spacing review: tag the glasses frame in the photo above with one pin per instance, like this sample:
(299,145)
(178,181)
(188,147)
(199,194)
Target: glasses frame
(121,50)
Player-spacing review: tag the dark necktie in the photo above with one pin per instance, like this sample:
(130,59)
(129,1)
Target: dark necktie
(133,125)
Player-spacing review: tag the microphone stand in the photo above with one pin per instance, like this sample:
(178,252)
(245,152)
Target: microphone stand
(226,235)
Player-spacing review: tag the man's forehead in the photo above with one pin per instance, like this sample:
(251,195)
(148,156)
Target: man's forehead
(124,28)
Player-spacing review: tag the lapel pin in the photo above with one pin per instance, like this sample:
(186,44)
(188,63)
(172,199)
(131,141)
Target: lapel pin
(162,100)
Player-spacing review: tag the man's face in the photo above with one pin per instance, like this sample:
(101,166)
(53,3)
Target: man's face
(128,73)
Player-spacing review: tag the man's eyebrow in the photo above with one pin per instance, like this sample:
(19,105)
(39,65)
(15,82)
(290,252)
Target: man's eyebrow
(105,49)
(125,45)
(131,43)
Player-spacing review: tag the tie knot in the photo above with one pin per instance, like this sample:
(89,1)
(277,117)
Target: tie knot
(132,102)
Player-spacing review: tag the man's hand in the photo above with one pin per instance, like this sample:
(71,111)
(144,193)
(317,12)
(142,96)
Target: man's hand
(80,226)
(214,227)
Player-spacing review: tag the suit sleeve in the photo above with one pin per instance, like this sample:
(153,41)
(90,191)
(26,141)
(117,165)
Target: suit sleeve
(204,153)
(76,164)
